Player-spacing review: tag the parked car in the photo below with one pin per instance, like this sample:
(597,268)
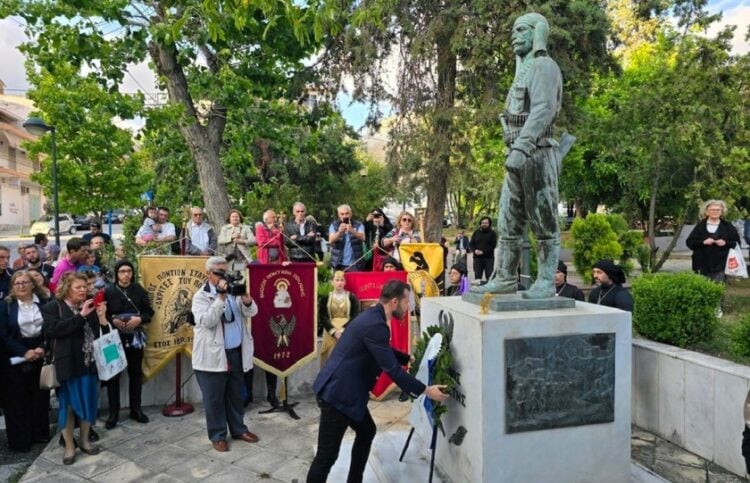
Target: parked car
(83,222)
(117,216)
(46,224)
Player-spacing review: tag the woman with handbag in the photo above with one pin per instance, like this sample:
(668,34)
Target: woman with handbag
(71,324)
(26,406)
(128,308)
(711,240)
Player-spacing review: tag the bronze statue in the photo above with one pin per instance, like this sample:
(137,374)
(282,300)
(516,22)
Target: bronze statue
(530,193)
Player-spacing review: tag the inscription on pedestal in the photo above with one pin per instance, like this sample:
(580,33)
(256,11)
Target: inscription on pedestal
(554,382)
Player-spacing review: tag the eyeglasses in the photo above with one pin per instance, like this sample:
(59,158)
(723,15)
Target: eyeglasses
(125,270)
(22,283)
(197,214)
(408,220)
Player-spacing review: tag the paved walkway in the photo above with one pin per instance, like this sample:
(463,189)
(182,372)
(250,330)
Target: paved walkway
(177,449)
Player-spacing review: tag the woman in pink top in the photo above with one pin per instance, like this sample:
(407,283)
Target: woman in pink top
(270,239)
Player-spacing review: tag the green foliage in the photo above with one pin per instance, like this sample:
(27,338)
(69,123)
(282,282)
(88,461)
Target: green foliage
(740,337)
(593,239)
(455,66)
(443,369)
(677,309)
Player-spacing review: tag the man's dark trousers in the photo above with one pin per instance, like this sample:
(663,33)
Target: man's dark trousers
(483,267)
(333,425)
(222,400)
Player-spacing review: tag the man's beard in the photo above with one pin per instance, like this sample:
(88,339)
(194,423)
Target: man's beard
(398,313)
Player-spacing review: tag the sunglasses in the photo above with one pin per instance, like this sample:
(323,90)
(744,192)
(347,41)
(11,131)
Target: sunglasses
(408,220)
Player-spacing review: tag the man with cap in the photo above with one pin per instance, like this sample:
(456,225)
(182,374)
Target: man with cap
(562,287)
(95,229)
(609,290)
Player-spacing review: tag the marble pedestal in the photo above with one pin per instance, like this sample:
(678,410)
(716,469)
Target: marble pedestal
(543,395)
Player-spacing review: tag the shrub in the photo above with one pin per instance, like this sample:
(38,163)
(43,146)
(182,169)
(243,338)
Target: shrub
(593,239)
(677,309)
(740,337)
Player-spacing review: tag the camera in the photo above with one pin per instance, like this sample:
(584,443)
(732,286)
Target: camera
(346,220)
(234,285)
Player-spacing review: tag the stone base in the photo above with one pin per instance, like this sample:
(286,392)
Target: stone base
(515,301)
(542,395)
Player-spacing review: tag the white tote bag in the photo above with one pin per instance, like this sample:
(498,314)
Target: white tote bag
(109,355)
(736,266)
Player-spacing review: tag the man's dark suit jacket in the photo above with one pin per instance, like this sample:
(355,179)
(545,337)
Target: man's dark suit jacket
(355,364)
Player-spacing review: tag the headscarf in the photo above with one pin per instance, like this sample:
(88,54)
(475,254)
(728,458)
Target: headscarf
(614,272)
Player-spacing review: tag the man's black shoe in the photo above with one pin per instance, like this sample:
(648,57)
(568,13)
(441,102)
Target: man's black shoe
(111,421)
(137,415)
(93,435)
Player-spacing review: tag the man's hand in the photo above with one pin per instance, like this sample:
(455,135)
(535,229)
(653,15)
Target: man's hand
(478,253)
(516,159)
(247,300)
(435,392)
(708,241)
(721,242)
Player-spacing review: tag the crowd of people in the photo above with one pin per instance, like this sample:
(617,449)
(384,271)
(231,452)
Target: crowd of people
(50,311)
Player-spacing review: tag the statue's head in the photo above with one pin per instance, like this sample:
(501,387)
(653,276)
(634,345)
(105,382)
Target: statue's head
(530,32)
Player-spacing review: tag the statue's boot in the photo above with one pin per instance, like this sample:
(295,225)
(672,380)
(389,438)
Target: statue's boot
(547,255)
(504,280)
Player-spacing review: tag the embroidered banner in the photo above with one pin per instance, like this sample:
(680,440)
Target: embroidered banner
(170,282)
(367,286)
(284,330)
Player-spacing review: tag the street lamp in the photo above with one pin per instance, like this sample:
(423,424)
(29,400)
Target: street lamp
(37,127)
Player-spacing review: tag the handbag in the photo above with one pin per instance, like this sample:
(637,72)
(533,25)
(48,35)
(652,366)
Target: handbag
(735,266)
(109,355)
(48,377)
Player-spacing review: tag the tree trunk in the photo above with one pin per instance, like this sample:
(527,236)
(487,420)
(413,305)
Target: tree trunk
(204,142)
(439,167)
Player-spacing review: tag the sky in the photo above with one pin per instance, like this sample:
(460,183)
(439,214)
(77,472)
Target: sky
(140,78)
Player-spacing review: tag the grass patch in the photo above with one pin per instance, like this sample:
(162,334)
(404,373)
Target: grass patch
(736,305)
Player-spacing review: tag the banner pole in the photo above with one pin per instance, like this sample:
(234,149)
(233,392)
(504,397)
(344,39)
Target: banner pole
(179,408)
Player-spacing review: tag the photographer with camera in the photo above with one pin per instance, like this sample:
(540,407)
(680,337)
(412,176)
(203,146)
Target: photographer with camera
(346,237)
(222,352)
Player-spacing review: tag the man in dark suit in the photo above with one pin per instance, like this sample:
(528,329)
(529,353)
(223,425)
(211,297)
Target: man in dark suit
(343,385)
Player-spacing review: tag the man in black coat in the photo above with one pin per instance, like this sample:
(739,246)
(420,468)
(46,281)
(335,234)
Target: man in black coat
(343,385)
(609,290)
(562,287)
(482,244)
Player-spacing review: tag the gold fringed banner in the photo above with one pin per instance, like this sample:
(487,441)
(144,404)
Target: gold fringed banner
(170,282)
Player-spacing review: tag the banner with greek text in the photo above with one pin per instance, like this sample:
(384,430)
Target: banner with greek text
(367,287)
(170,282)
(285,328)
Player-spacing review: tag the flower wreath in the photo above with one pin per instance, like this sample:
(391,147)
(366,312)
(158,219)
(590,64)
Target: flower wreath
(441,370)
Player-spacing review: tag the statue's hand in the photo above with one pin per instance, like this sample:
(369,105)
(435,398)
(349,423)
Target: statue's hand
(516,159)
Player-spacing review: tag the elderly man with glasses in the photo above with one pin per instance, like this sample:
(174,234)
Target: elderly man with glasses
(300,235)
(201,237)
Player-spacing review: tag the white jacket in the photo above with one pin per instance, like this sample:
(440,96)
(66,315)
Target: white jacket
(208,335)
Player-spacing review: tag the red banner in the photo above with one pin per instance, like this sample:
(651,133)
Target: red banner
(284,327)
(367,286)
